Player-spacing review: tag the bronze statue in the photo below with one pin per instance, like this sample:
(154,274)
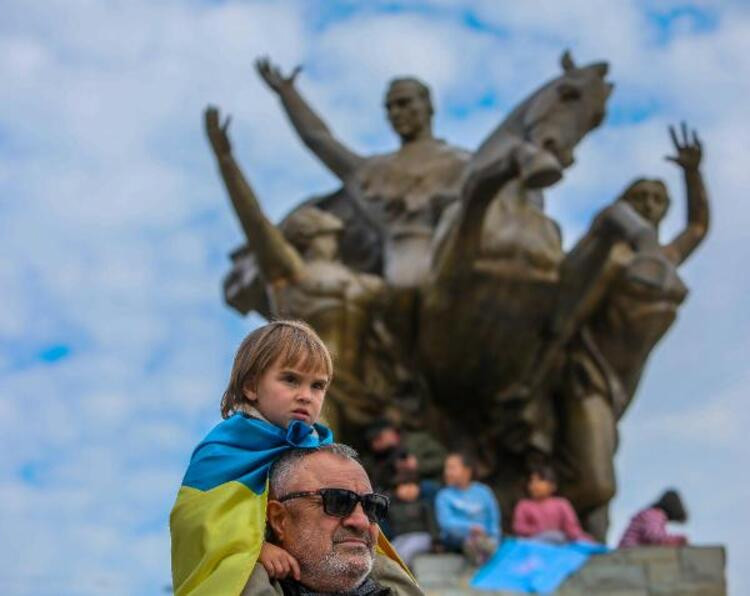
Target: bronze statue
(442,287)
(402,193)
(298,263)
(628,309)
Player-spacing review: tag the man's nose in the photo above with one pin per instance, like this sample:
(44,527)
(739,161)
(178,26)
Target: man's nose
(357,518)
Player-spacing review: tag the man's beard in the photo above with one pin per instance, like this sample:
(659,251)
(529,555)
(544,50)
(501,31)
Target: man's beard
(336,570)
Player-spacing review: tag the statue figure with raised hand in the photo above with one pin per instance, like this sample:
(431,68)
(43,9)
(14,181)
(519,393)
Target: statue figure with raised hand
(630,303)
(402,193)
(303,277)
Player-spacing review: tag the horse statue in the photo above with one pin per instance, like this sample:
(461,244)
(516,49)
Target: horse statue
(484,311)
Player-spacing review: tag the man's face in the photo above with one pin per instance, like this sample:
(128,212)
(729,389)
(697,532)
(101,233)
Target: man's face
(334,553)
(407,111)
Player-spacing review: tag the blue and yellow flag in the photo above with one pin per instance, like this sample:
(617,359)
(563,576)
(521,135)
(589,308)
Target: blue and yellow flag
(218,521)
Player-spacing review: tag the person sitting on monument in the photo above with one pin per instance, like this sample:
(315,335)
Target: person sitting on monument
(392,450)
(649,526)
(467,511)
(322,511)
(545,516)
(273,400)
(411,518)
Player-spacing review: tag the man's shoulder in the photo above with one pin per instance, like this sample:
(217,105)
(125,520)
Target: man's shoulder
(260,584)
(390,574)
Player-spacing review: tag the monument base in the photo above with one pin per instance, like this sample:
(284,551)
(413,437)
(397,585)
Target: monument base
(646,571)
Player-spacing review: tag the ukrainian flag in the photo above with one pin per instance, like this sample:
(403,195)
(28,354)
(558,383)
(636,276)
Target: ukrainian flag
(218,521)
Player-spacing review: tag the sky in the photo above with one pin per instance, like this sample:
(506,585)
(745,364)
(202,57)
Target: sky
(115,343)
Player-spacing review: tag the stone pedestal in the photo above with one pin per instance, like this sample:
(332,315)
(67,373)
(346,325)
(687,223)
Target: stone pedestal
(654,571)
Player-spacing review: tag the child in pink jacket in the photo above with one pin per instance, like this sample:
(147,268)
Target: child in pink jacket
(544,516)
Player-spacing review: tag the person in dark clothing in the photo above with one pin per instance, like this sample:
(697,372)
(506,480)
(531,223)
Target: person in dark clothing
(392,451)
(411,519)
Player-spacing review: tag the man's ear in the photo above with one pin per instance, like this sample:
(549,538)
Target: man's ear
(277,516)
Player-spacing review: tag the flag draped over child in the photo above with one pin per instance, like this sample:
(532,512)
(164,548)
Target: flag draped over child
(218,521)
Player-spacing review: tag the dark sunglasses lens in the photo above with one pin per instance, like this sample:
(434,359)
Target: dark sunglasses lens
(339,502)
(375,506)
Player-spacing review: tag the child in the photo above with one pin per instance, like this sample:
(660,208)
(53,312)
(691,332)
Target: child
(276,389)
(649,526)
(544,516)
(410,518)
(467,511)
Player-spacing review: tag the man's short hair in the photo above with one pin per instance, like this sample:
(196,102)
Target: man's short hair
(283,468)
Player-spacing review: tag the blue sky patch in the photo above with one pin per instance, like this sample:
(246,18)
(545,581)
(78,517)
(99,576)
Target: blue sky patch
(54,353)
(681,20)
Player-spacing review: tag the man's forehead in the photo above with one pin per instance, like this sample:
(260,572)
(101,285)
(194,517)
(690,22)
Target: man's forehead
(327,470)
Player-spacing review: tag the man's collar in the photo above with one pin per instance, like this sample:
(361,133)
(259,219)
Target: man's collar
(369,587)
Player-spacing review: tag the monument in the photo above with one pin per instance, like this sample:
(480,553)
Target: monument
(442,288)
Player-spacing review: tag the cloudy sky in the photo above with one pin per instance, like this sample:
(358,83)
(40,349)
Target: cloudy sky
(114,233)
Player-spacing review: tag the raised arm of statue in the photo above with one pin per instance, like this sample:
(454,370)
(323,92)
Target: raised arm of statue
(277,259)
(689,154)
(338,158)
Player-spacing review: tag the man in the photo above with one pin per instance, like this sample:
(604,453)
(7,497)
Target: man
(322,511)
(403,192)
(392,450)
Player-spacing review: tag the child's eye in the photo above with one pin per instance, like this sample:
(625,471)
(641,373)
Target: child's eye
(288,378)
(320,386)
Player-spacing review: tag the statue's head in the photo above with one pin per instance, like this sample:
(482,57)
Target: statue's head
(649,197)
(408,107)
(313,232)
(562,112)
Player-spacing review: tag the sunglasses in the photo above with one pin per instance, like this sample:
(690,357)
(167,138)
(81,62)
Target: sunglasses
(339,502)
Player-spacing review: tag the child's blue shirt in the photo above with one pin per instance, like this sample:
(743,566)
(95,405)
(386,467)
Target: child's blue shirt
(457,510)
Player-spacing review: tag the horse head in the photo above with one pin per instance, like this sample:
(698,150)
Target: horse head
(559,114)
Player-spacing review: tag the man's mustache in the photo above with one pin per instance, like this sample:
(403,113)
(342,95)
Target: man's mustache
(344,534)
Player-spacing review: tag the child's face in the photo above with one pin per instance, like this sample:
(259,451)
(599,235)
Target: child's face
(539,488)
(455,472)
(286,393)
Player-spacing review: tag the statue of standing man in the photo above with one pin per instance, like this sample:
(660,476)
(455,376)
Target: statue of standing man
(403,192)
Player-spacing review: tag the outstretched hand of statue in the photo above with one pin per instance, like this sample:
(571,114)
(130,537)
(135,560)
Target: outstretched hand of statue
(689,148)
(217,132)
(273,77)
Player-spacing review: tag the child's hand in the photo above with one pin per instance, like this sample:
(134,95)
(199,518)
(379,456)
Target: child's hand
(277,562)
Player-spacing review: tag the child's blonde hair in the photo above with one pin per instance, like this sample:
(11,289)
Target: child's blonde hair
(294,343)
